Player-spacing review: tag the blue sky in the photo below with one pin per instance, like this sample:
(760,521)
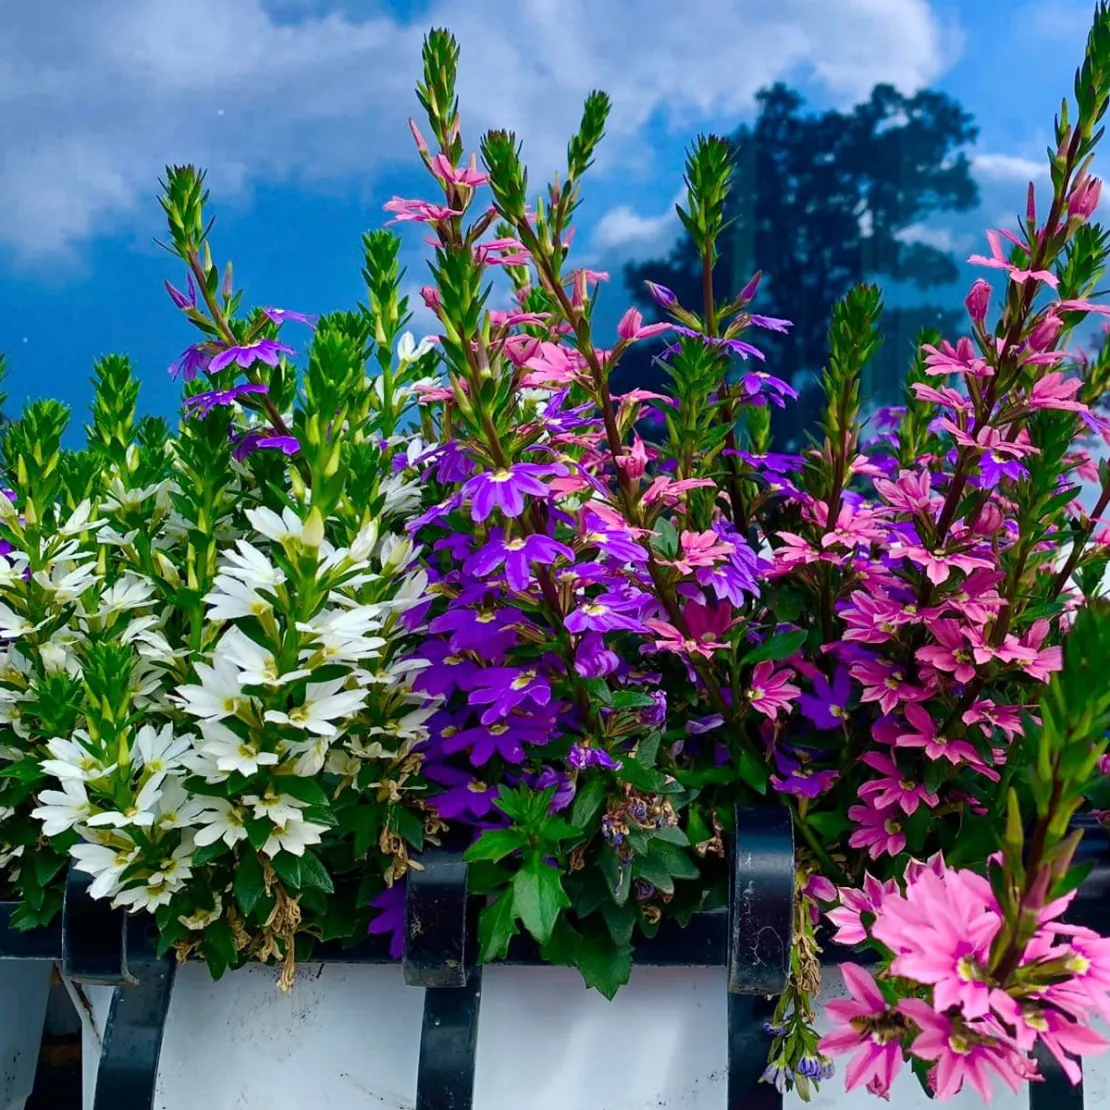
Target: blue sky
(298,109)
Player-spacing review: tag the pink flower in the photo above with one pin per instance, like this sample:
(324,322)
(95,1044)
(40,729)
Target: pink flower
(470,175)
(1054,391)
(631,327)
(935,745)
(894,788)
(961,359)
(870,1030)
(668,638)
(962,1053)
(420,211)
(634,461)
(847,917)
(770,692)
(951,653)
(978,300)
(879,831)
(1084,196)
(938,565)
(998,261)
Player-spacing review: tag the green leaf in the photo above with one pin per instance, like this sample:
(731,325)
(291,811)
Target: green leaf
(304,789)
(605,965)
(495,844)
(588,801)
(777,647)
(218,946)
(555,829)
(315,874)
(753,773)
(538,897)
(631,699)
(497,926)
(407,825)
(665,538)
(288,868)
(250,882)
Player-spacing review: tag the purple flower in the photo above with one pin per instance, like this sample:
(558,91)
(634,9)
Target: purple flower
(800,780)
(465,795)
(759,386)
(608,612)
(592,659)
(280,315)
(505,488)
(656,715)
(450,462)
(448,672)
(737,346)
(253,441)
(558,418)
(564,788)
(190,363)
(614,542)
(827,706)
(772,462)
(391,918)
(771,323)
(179,298)
(489,630)
(580,757)
(505,738)
(504,688)
(517,556)
(246,355)
(201,404)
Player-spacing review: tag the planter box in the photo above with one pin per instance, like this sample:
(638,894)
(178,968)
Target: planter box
(685,1033)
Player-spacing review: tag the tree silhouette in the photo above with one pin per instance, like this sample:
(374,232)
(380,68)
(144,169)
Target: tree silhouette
(820,201)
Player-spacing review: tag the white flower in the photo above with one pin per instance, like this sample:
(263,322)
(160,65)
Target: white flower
(159,750)
(201,919)
(340,634)
(72,760)
(401,496)
(161,885)
(362,546)
(66,580)
(12,625)
(105,863)
(279,808)
(294,837)
(408,350)
(231,752)
(79,521)
(313,753)
(257,666)
(175,808)
(60,810)
(220,693)
(140,813)
(250,566)
(130,592)
(395,553)
(413,591)
(220,820)
(324,704)
(230,598)
(280,529)
(11,567)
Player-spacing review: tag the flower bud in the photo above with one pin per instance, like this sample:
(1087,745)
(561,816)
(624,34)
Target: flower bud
(749,291)
(1084,197)
(662,296)
(990,520)
(312,534)
(978,300)
(1045,333)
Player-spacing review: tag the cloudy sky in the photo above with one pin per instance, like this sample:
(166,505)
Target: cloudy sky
(298,109)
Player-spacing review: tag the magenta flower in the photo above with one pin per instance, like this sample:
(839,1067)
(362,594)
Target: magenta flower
(961,1053)
(893,788)
(878,830)
(925,735)
(201,404)
(869,1029)
(848,915)
(506,488)
(771,692)
(420,211)
(631,327)
(517,554)
(246,355)
(999,261)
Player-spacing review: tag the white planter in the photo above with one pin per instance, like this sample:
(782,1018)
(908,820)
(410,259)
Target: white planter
(24,990)
(348,1037)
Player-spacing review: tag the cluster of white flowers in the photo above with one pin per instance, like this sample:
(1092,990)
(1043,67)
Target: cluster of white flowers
(206,686)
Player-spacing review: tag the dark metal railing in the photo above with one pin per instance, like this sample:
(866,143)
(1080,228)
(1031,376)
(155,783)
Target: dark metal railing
(751,940)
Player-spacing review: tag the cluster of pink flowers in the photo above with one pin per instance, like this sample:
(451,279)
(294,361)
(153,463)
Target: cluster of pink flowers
(943,1005)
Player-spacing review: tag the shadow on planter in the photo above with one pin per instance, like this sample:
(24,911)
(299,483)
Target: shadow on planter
(751,940)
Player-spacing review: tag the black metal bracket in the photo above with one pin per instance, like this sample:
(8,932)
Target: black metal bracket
(439,955)
(132,1042)
(760,937)
(94,936)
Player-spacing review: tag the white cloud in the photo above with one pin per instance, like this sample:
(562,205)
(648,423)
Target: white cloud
(97,100)
(942,238)
(624,235)
(1009,167)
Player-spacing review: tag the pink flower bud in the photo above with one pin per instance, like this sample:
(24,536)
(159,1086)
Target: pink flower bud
(420,144)
(990,520)
(431,297)
(978,300)
(1084,197)
(1045,333)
